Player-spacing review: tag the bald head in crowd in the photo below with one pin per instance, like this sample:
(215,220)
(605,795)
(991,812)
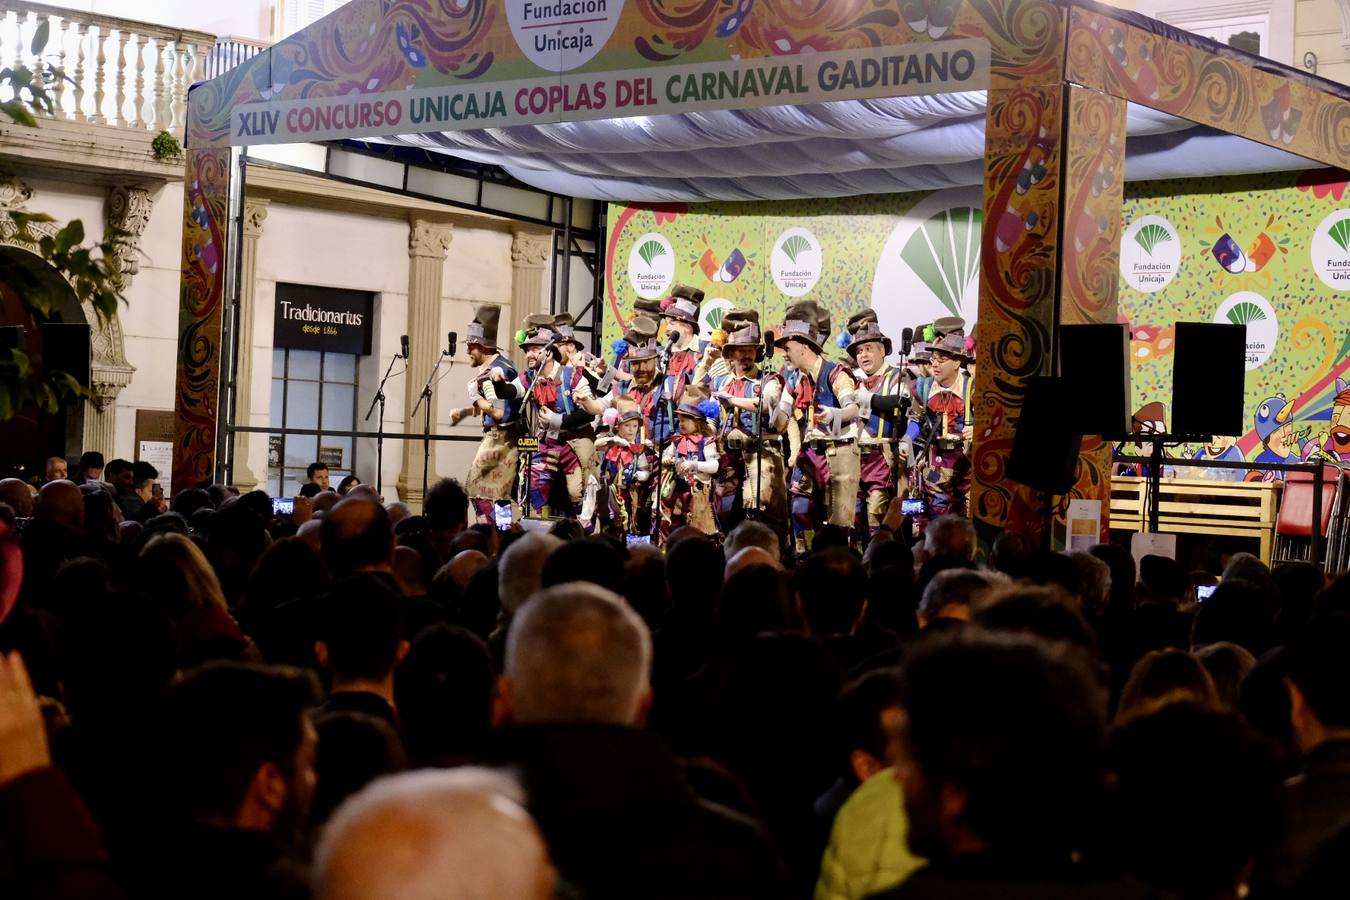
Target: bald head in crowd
(576,653)
(60,503)
(521,570)
(357,537)
(434,835)
(16,493)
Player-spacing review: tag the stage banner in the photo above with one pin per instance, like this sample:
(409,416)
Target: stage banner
(1271,252)
(330,320)
(913,257)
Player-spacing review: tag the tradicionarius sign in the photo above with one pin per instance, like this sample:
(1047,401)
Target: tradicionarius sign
(922,68)
(325,319)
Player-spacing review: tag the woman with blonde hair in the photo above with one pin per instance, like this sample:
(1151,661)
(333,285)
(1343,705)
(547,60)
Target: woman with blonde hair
(175,571)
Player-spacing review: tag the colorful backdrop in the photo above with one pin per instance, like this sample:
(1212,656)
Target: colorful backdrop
(1268,251)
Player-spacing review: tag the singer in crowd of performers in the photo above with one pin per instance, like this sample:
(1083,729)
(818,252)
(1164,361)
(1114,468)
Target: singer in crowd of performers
(674,431)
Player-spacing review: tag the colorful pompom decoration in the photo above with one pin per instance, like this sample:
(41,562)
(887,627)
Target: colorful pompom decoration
(619,348)
(610,416)
(970,343)
(842,341)
(929,333)
(521,336)
(667,303)
(710,408)
(719,338)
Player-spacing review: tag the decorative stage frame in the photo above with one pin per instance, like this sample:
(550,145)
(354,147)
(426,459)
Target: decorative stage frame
(1059,77)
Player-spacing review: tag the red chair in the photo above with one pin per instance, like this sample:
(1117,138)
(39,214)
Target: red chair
(1293,525)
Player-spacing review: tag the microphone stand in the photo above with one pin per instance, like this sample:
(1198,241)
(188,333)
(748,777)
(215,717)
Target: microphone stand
(661,401)
(426,428)
(378,399)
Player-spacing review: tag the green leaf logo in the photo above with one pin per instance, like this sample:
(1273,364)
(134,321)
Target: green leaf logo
(795,245)
(1245,312)
(1340,233)
(650,251)
(715,318)
(1152,235)
(945,253)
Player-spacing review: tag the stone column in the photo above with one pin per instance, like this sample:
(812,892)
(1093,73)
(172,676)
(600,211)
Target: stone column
(106,381)
(428,244)
(530,255)
(255,213)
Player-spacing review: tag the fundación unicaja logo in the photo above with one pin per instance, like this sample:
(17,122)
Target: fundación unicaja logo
(1330,250)
(651,266)
(796,262)
(560,35)
(1255,312)
(1150,254)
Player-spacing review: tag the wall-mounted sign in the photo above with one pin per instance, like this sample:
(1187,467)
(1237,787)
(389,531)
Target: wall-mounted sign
(330,320)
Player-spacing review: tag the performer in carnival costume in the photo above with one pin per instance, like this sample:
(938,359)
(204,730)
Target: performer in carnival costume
(884,395)
(941,427)
(625,470)
(688,465)
(494,464)
(824,404)
(752,479)
(563,406)
(680,360)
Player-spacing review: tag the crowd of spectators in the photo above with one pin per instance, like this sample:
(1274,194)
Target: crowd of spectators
(206,699)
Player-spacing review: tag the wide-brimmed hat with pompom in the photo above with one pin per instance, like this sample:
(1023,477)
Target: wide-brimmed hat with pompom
(864,327)
(683,303)
(696,403)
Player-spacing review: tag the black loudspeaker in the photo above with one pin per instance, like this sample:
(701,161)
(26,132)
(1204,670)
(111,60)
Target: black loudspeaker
(11,337)
(65,347)
(1045,449)
(1209,373)
(1094,363)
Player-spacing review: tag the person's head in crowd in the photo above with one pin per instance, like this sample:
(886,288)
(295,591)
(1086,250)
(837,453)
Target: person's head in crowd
(118,651)
(1163,581)
(412,572)
(143,480)
(91,466)
(361,635)
(1046,612)
(644,584)
(356,537)
(1046,568)
(883,553)
(346,484)
(567,530)
(469,540)
(354,750)
(311,533)
(933,565)
(257,502)
(694,570)
(891,602)
(867,717)
(952,594)
(222,495)
(828,537)
(78,584)
(1009,554)
(1123,573)
(173,570)
(1317,669)
(463,565)
(576,653)
(446,508)
(237,747)
(1197,799)
(236,540)
(317,473)
(365,491)
(1093,583)
(950,536)
(750,533)
(102,516)
(1249,567)
(1000,748)
(589,559)
(1228,666)
(520,574)
(1238,611)
(477,606)
(55,469)
(1264,702)
(325,500)
(18,496)
(1298,582)
(754,600)
(443,689)
(681,534)
(290,569)
(448,835)
(118,474)
(830,589)
(1165,676)
(189,501)
(60,505)
(309,490)
(491,536)
(399,512)
(750,556)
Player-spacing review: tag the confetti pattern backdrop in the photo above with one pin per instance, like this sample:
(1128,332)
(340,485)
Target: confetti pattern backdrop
(1272,220)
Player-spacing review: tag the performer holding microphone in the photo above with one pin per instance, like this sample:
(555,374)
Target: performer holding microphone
(494,464)
(940,424)
(883,398)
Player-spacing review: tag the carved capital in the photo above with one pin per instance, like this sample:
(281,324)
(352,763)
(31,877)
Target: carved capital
(129,209)
(255,213)
(14,194)
(429,239)
(106,382)
(531,250)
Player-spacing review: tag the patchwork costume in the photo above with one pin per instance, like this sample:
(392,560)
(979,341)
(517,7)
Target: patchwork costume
(938,417)
(493,471)
(883,399)
(566,437)
(686,497)
(625,469)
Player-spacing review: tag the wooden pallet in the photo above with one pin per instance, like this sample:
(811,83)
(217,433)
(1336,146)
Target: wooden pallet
(1191,506)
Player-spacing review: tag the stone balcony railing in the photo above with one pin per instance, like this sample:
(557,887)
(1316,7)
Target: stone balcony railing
(114,71)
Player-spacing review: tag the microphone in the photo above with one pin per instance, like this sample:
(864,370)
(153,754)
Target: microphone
(404,340)
(769,345)
(906,341)
(452,339)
